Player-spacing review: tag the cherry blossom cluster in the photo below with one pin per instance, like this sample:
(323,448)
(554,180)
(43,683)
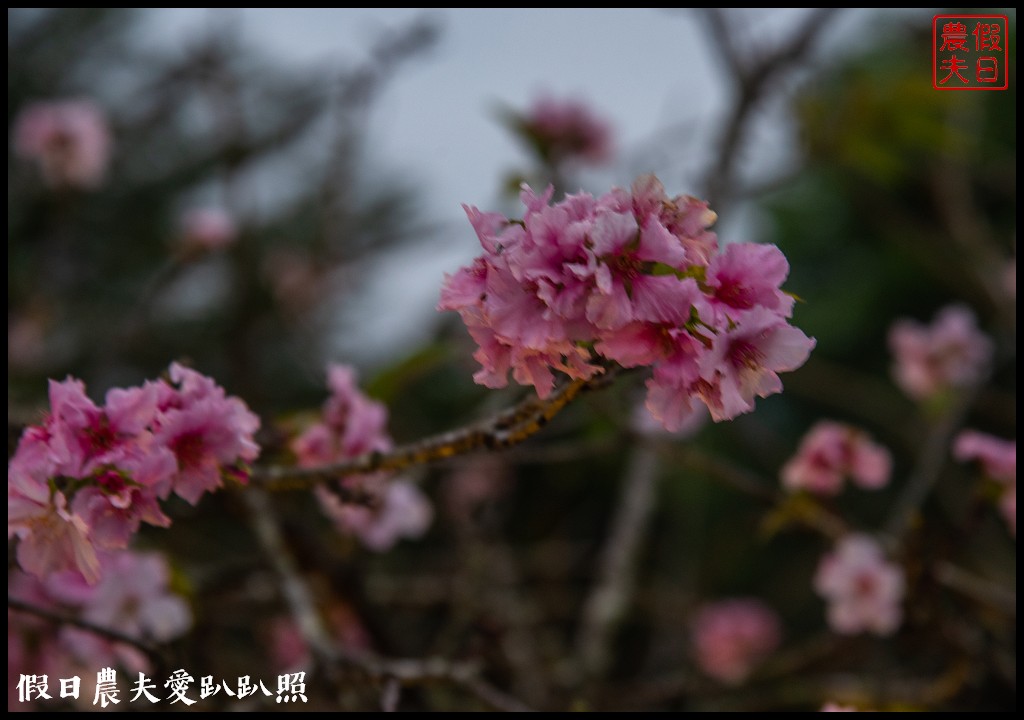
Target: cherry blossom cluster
(832,451)
(731,637)
(567,130)
(132,598)
(351,425)
(863,589)
(635,278)
(930,359)
(69,139)
(88,476)
(998,459)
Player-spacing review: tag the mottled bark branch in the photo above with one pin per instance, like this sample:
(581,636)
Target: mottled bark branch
(503,430)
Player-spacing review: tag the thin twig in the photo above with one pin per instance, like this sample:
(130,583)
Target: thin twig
(929,464)
(751,77)
(722,470)
(330,656)
(410,672)
(976,588)
(612,592)
(296,592)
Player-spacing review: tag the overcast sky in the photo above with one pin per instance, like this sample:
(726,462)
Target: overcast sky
(650,72)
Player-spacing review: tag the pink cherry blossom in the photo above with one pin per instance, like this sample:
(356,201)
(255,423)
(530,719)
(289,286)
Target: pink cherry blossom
(998,457)
(743,362)
(950,353)
(403,512)
(628,278)
(68,138)
(732,637)
(747,275)
(209,433)
(50,537)
(125,496)
(644,422)
(86,437)
(864,591)
(351,425)
(207,228)
(289,651)
(88,476)
(133,598)
(831,452)
(567,130)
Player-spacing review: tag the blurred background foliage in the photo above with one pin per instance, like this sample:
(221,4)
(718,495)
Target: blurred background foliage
(903,199)
(103,278)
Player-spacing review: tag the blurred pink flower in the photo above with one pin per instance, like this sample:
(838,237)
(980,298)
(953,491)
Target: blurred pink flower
(1008,507)
(950,353)
(731,637)
(207,228)
(567,130)
(863,590)
(68,138)
(351,425)
(133,598)
(998,457)
(403,511)
(289,651)
(831,452)
(478,483)
(50,537)
(836,707)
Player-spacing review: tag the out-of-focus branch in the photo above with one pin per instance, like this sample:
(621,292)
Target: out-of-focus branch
(611,593)
(63,618)
(330,657)
(751,77)
(503,430)
(353,98)
(719,469)
(614,586)
(976,588)
(803,509)
(296,592)
(929,463)
(789,663)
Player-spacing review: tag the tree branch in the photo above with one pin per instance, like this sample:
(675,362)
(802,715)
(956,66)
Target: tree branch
(611,593)
(751,77)
(503,430)
(62,618)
